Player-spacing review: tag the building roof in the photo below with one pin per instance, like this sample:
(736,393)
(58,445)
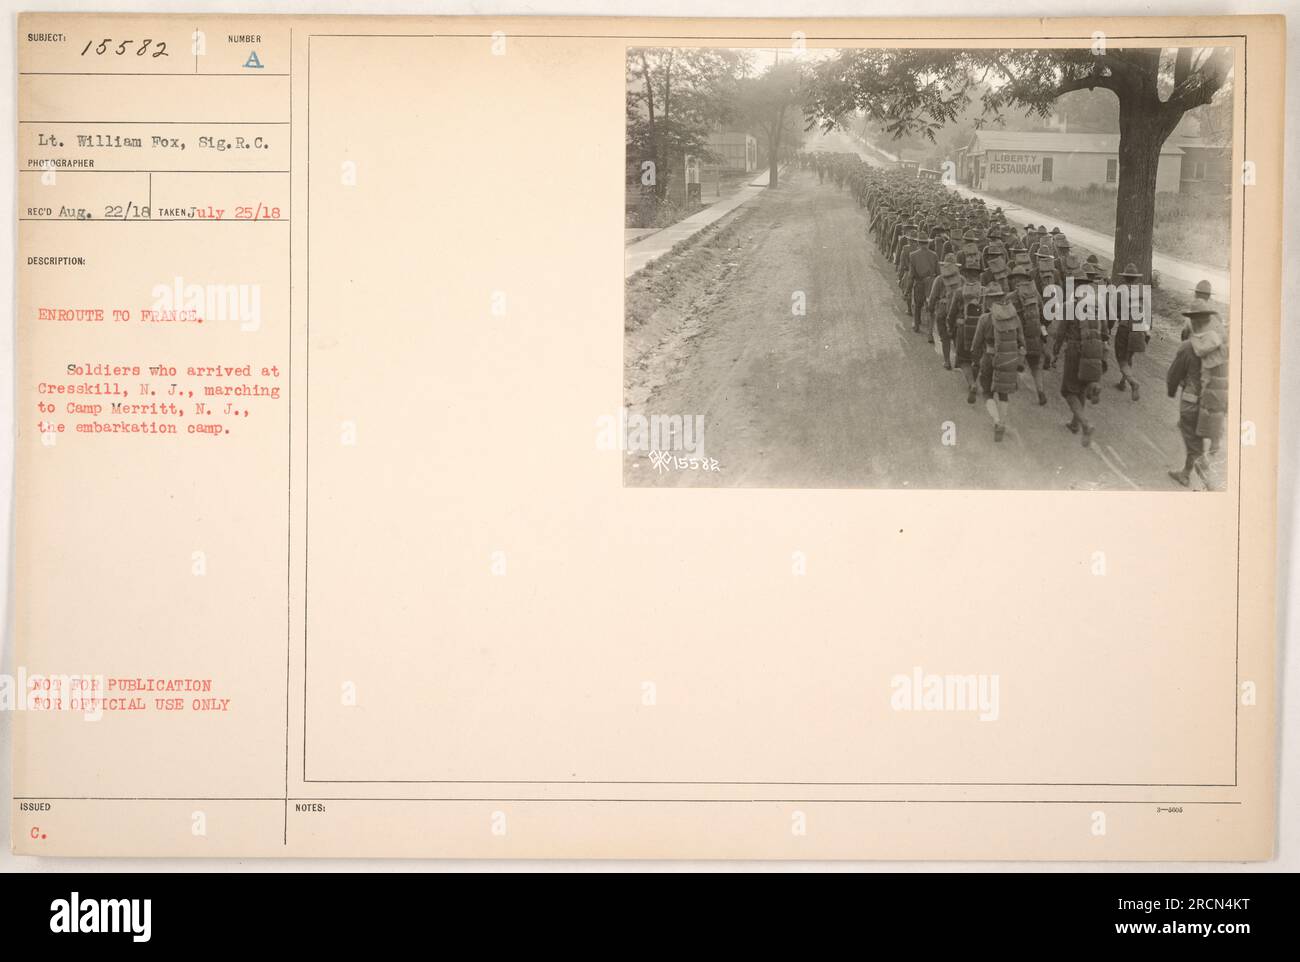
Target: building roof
(1051,142)
(730,137)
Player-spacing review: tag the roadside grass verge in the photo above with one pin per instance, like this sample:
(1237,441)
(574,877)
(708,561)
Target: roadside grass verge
(707,257)
(1195,227)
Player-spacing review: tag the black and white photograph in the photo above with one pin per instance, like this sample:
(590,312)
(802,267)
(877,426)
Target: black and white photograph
(926,268)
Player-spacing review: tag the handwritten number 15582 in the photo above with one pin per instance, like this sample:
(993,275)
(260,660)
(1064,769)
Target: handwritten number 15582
(122,49)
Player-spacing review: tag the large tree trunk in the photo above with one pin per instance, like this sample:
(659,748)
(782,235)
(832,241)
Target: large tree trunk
(1143,127)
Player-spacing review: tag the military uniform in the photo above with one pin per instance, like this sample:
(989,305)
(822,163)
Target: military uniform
(945,292)
(965,314)
(1184,380)
(923,270)
(1029,307)
(999,343)
(1129,342)
(1081,366)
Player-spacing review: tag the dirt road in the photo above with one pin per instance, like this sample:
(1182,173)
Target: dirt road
(847,395)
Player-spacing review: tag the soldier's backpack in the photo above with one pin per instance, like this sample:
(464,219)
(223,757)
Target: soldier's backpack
(1006,347)
(1137,340)
(1213,412)
(1031,316)
(970,319)
(1091,349)
(943,303)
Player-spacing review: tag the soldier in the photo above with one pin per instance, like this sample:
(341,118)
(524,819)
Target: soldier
(1024,298)
(1070,266)
(1084,337)
(965,314)
(912,233)
(999,343)
(1048,285)
(923,270)
(902,234)
(996,272)
(995,247)
(1087,274)
(969,247)
(901,228)
(905,249)
(945,292)
(1209,340)
(1061,250)
(1045,275)
(1186,375)
(1202,295)
(1129,342)
(942,245)
(880,223)
(1091,276)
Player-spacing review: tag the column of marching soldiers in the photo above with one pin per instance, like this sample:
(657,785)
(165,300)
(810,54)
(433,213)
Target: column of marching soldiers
(981,284)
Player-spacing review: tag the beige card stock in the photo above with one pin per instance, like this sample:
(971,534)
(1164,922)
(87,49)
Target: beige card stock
(324,328)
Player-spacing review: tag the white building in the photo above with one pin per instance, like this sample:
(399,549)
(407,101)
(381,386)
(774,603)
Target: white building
(736,149)
(1046,160)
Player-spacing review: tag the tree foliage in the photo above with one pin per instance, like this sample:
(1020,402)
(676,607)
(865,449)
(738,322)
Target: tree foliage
(675,97)
(911,91)
(919,92)
(771,104)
